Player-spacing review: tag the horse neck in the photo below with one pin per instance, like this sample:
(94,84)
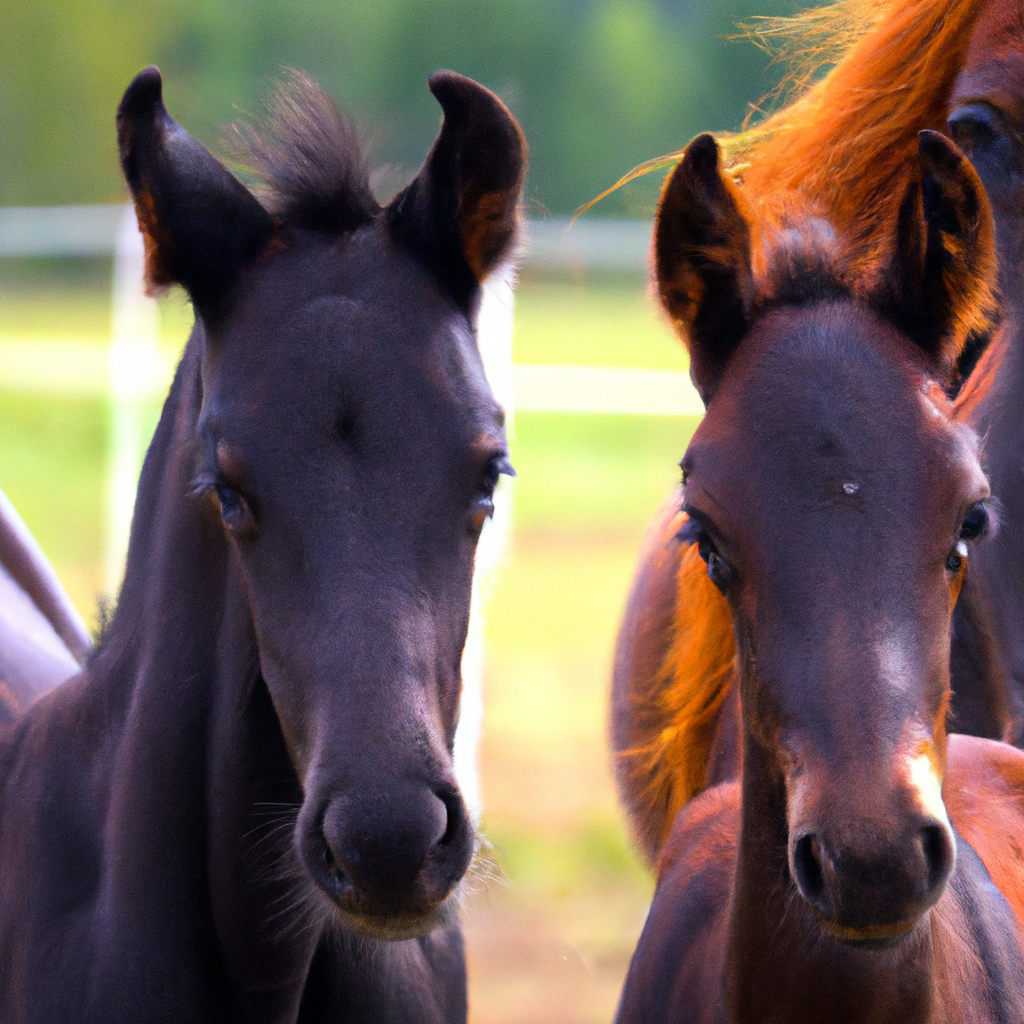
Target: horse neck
(200,750)
(167,613)
(991,404)
(779,965)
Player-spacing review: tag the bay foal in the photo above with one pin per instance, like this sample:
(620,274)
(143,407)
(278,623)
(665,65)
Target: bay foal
(833,500)
(848,145)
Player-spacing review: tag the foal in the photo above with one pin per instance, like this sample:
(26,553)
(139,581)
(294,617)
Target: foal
(833,499)
(849,143)
(245,808)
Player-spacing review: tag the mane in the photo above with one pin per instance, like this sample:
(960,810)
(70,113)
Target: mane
(677,721)
(797,255)
(850,138)
(307,153)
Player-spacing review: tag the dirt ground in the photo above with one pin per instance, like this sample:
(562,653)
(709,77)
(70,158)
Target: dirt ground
(550,935)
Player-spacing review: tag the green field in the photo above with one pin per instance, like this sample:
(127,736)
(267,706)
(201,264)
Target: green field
(550,934)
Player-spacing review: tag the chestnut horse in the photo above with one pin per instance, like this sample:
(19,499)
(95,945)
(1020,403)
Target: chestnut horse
(244,808)
(848,144)
(833,498)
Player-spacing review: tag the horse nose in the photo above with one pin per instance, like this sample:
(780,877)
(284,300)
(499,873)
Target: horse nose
(397,852)
(873,886)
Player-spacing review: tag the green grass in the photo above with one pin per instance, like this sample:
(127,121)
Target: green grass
(614,323)
(595,473)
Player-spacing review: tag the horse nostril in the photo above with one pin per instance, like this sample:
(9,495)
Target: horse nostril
(455,812)
(938,855)
(807,869)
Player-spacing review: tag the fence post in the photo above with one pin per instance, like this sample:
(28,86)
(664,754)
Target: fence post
(134,366)
(494,338)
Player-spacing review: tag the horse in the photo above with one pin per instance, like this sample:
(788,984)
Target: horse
(43,640)
(848,144)
(244,808)
(834,499)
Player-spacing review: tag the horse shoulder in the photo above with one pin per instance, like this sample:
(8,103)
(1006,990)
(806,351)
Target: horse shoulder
(984,796)
(673,672)
(675,973)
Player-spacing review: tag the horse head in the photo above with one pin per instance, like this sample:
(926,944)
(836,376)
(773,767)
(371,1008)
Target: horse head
(346,450)
(834,500)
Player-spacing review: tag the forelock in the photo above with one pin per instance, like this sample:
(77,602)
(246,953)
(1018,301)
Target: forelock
(308,155)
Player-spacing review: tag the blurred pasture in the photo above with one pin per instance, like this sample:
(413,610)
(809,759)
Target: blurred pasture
(598,85)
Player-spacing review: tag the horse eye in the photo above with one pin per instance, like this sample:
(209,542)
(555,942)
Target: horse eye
(497,466)
(234,509)
(957,557)
(720,572)
(483,504)
(973,125)
(975,522)
(483,509)
(978,129)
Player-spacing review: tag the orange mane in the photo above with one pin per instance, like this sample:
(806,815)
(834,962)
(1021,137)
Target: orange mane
(670,767)
(847,144)
(849,141)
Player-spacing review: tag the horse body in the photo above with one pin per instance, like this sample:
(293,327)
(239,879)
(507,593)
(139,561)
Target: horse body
(43,641)
(727,941)
(245,807)
(831,882)
(847,145)
(986,120)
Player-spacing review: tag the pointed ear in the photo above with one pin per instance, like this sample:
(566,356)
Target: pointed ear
(702,261)
(200,224)
(942,277)
(461,212)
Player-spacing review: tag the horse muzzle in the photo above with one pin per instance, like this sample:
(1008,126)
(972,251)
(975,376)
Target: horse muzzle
(389,859)
(872,889)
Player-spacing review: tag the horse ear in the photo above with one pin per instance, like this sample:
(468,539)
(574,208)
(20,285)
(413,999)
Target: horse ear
(942,277)
(199,223)
(460,213)
(702,261)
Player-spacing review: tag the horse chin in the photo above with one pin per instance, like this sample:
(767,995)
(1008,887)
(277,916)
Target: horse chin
(395,927)
(874,938)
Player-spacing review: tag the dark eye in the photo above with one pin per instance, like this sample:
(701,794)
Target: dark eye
(973,125)
(975,525)
(720,572)
(483,503)
(957,557)
(980,131)
(975,522)
(234,509)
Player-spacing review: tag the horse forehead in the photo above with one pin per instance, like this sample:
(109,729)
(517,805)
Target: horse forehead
(994,68)
(321,319)
(814,404)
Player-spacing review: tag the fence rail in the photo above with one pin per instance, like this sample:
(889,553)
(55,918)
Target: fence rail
(553,245)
